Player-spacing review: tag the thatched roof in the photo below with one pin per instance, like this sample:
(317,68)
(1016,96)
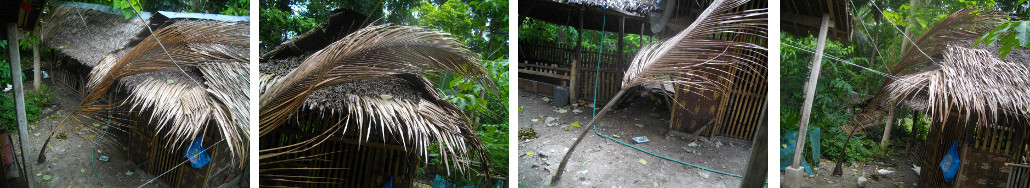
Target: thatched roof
(191,71)
(969,81)
(375,76)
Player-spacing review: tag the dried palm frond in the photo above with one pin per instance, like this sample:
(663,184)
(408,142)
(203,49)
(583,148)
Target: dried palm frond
(698,57)
(201,78)
(964,25)
(969,81)
(379,56)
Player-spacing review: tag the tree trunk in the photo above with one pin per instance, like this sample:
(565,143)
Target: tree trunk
(913,4)
(887,130)
(568,154)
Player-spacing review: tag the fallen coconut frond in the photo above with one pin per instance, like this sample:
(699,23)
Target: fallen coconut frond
(697,58)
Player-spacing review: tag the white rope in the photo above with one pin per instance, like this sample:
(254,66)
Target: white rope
(163,46)
(180,164)
(842,61)
(903,34)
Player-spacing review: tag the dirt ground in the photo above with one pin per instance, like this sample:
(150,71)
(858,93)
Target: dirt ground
(599,162)
(900,164)
(68,159)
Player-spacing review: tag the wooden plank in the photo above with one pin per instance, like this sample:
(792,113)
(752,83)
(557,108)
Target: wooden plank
(545,74)
(543,67)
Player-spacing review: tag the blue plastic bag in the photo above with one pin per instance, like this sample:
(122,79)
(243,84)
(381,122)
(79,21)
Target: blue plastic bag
(196,153)
(950,163)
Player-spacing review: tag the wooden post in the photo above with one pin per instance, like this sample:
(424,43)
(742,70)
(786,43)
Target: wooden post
(622,34)
(19,89)
(793,179)
(813,78)
(574,72)
(757,167)
(887,129)
(35,67)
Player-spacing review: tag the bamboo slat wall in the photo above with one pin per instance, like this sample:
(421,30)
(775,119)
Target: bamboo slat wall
(736,113)
(554,60)
(152,153)
(348,163)
(1019,176)
(983,151)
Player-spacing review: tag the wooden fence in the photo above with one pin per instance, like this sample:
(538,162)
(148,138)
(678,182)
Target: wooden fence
(541,58)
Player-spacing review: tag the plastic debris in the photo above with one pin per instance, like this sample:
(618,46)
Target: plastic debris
(104,158)
(642,161)
(641,139)
(692,144)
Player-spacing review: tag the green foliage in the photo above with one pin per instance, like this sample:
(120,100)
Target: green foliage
(237,8)
(531,29)
(1016,34)
(837,82)
(482,25)
(34,102)
(860,149)
(128,7)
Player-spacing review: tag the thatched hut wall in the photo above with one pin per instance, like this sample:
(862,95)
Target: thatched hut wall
(977,100)
(348,160)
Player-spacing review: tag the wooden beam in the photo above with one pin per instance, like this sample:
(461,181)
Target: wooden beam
(793,179)
(544,74)
(543,66)
(36,77)
(803,20)
(19,88)
(622,34)
(757,167)
(574,74)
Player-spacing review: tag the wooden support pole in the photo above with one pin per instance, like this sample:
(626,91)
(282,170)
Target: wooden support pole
(574,73)
(793,179)
(36,76)
(813,79)
(757,167)
(19,88)
(622,34)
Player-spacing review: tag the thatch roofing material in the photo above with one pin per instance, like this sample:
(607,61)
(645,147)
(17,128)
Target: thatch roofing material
(88,35)
(191,70)
(971,82)
(375,77)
